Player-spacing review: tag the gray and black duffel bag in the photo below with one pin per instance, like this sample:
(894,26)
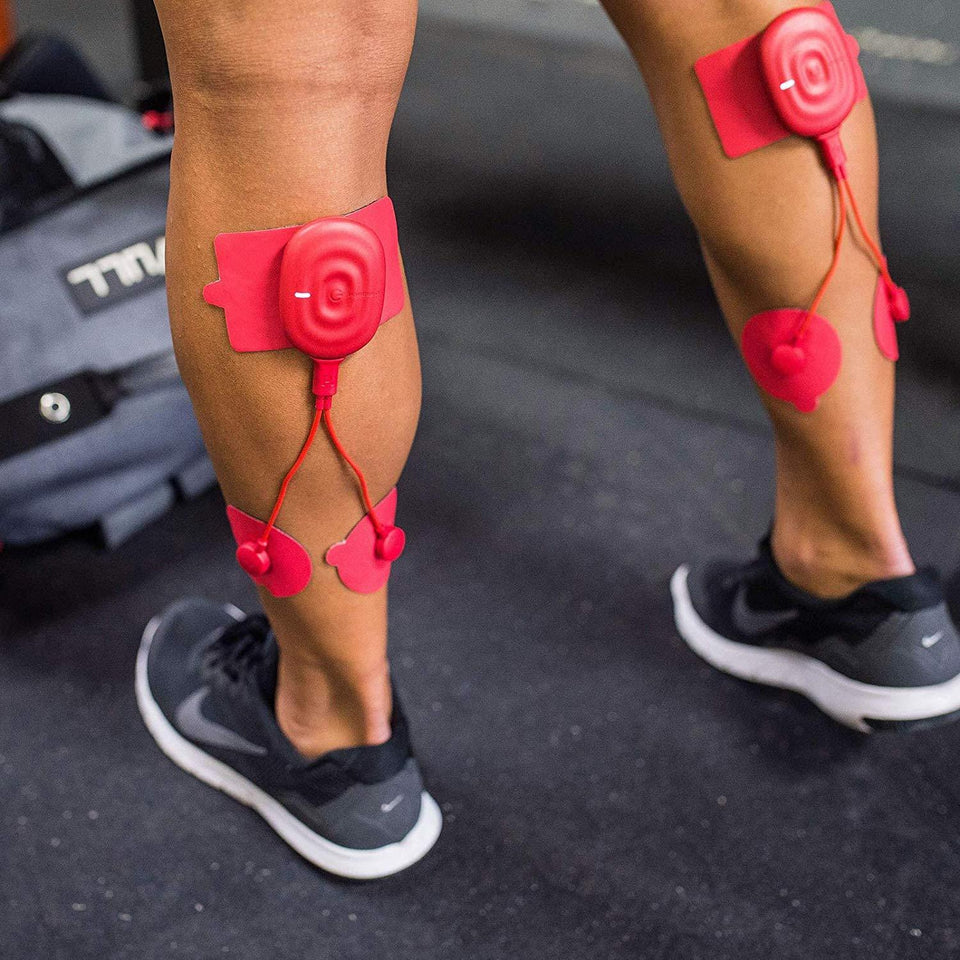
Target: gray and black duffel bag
(95,426)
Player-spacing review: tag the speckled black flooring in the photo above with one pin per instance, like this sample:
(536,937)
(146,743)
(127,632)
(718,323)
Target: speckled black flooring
(587,427)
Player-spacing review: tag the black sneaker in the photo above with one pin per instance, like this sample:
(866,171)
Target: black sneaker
(886,656)
(205,682)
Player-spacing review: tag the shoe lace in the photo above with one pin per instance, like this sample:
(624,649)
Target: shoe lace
(240,648)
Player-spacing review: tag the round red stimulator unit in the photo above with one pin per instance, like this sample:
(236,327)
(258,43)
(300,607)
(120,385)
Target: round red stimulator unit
(810,65)
(332,284)
(332,288)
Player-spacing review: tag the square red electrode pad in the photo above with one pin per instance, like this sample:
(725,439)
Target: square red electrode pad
(740,105)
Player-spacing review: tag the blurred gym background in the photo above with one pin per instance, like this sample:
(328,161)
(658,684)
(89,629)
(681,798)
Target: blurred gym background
(587,425)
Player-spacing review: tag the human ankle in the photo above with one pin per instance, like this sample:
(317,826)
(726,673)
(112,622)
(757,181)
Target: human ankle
(322,706)
(830,562)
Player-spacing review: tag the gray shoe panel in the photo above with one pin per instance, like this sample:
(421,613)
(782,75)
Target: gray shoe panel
(365,816)
(907,650)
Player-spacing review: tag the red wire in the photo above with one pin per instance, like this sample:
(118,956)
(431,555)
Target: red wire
(834,264)
(335,440)
(874,249)
(304,450)
(324,415)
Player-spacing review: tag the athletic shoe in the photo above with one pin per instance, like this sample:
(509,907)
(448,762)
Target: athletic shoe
(205,682)
(886,656)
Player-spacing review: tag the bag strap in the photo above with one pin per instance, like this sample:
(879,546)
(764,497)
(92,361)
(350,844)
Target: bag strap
(64,407)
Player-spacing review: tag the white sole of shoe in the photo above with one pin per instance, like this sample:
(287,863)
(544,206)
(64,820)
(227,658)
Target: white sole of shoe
(329,856)
(849,702)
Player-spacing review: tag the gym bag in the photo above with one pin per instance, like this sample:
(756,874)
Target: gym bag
(96,428)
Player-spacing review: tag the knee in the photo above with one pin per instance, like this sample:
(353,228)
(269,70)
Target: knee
(298,54)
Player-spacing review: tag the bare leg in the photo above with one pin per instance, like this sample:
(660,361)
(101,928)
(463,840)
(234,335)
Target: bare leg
(283,112)
(765,224)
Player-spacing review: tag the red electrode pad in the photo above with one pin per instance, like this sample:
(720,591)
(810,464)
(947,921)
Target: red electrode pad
(358,564)
(798,369)
(884,326)
(290,568)
(251,280)
(322,288)
(797,75)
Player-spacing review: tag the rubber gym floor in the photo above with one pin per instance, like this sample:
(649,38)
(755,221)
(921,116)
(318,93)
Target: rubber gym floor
(587,426)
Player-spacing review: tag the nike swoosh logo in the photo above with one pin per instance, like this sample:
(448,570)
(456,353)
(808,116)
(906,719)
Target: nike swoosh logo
(387,807)
(195,725)
(928,642)
(754,622)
